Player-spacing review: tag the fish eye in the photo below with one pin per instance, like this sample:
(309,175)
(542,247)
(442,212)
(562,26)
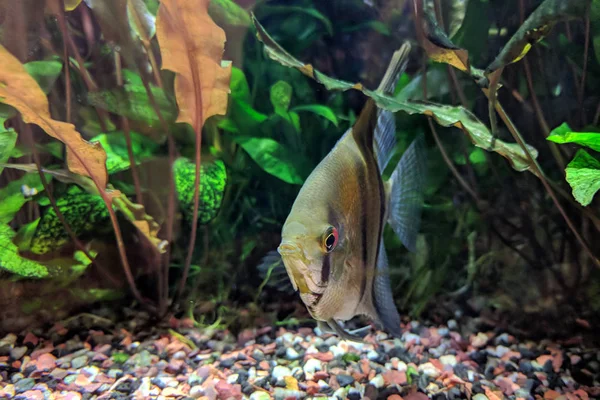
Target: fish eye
(331,239)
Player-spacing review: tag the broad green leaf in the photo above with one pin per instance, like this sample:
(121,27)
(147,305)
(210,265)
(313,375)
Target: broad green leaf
(11,261)
(536,27)
(115,145)
(272,157)
(564,134)
(287,10)
(583,174)
(227,12)
(446,116)
(85,213)
(18,192)
(245,117)
(213,180)
(239,86)
(8,139)
(44,72)
(133,102)
(318,109)
(281,96)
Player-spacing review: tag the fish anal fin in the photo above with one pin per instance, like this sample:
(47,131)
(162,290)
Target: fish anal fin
(383,300)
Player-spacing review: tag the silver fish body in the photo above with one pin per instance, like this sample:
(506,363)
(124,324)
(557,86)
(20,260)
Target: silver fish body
(332,245)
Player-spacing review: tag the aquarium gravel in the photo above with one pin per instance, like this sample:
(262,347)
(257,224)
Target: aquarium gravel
(435,362)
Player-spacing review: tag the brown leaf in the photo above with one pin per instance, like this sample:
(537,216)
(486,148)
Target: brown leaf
(440,48)
(20,90)
(192,46)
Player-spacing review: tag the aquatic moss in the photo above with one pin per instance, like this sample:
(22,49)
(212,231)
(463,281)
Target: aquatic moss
(213,180)
(11,261)
(85,213)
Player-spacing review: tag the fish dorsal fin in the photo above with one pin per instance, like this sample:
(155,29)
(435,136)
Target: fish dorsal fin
(364,129)
(407,190)
(385,131)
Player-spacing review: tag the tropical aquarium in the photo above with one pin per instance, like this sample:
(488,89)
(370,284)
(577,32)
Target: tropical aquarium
(294,199)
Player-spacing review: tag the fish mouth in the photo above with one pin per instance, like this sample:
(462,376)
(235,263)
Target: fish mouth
(288,249)
(295,262)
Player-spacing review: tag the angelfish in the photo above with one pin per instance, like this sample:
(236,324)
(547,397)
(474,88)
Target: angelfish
(332,245)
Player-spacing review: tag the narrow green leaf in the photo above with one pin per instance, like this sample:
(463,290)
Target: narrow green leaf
(272,157)
(444,115)
(583,174)
(320,110)
(227,12)
(563,134)
(287,10)
(11,261)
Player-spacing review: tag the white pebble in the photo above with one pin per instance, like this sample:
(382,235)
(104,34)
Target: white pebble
(377,381)
(337,351)
(196,391)
(429,369)
(448,359)
(312,365)
(291,354)
(280,371)
(260,395)
(407,337)
(372,355)
(311,350)
(232,379)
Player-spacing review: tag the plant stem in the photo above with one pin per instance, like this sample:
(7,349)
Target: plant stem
(125,126)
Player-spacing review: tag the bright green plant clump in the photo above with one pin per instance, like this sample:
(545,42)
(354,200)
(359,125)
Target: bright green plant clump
(11,261)
(213,178)
(85,213)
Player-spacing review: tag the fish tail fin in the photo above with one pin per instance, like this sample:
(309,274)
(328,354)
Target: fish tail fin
(383,300)
(385,131)
(406,193)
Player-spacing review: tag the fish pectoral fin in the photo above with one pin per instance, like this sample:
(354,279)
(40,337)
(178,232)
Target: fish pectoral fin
(341,332)
(407,192)
(383,300)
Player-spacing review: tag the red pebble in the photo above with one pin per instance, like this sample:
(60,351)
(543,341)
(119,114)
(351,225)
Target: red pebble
(393,377)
